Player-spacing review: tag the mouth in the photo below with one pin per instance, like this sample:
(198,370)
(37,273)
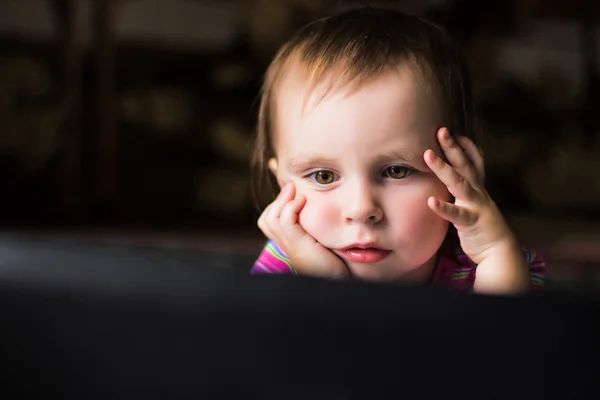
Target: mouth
(367,253)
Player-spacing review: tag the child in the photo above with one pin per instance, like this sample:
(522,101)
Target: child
(367,124)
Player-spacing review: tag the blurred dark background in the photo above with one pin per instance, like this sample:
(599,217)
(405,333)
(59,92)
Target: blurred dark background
(132,120)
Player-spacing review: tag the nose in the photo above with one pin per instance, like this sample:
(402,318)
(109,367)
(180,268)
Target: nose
(361,205)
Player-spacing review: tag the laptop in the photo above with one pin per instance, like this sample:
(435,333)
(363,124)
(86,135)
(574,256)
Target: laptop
(92,322)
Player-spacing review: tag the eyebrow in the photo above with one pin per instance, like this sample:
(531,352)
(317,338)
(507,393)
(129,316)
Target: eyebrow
(407,155)
(302,162)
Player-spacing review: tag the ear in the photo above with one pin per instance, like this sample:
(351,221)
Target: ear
(273,165)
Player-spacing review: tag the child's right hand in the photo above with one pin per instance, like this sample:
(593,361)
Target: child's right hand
(279,222)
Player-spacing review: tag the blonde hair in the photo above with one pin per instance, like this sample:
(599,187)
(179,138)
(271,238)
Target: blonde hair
(364,43)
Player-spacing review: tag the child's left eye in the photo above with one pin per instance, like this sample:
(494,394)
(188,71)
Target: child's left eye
(397,172)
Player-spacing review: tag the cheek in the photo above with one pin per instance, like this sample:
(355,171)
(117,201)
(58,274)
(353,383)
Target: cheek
(412,219)
(417,220)
(319,215)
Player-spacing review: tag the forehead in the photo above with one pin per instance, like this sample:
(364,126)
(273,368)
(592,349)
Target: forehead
(319,79)
(395,105)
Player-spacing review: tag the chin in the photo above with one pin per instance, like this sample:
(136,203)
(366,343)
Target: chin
(373,273)
(418,275)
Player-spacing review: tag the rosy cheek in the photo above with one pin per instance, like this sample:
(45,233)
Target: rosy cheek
(318,215)
(414,218)
(421,219)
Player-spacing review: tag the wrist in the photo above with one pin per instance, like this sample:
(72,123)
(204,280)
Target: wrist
(319,269)
(503,269)
(507,246)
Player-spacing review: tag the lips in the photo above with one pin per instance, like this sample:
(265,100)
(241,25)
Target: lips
(367,253)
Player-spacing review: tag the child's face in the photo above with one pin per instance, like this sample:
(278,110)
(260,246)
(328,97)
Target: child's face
(357,157)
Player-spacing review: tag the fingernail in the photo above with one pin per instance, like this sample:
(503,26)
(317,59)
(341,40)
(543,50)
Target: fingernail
(285,189)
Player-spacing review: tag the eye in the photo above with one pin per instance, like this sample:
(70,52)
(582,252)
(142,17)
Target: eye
(323,177)
(397,172)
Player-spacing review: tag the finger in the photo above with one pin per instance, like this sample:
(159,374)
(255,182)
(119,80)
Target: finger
(474,154)
(457,158)
(269,219)
(291,230)
(289,214)
(457,184)
(459,216)
(274,209)
(289,226)
(262,225)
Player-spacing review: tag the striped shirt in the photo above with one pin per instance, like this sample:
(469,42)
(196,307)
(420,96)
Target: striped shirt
(454,269)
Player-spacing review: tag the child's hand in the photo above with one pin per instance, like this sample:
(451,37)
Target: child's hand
(279,222)
(484,234)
